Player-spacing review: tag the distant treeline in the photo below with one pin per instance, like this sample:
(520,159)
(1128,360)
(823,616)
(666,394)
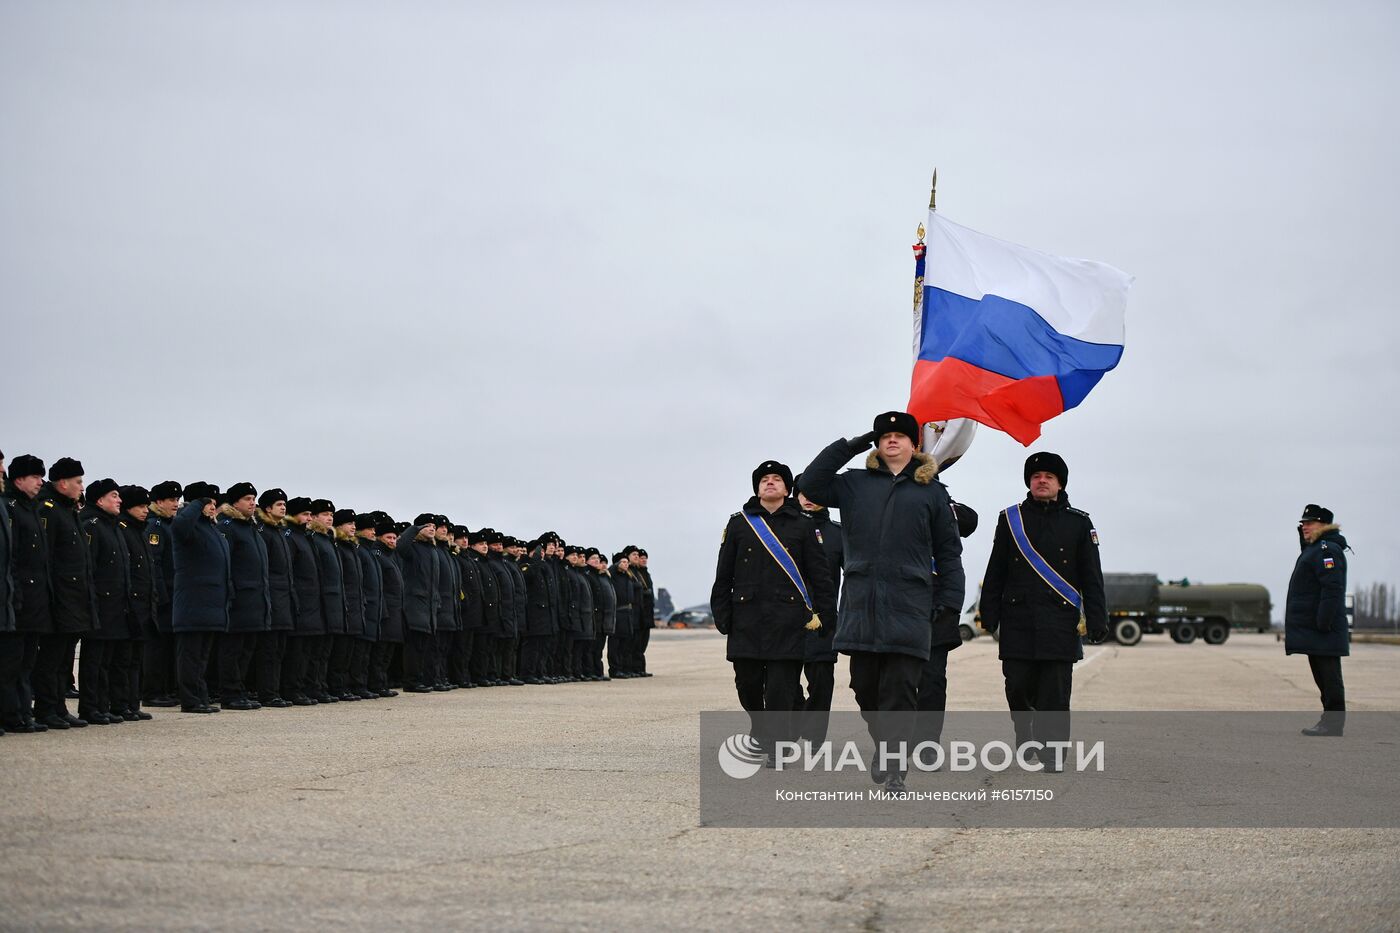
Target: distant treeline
(1377,606)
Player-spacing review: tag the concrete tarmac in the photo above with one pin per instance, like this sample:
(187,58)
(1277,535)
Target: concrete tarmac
(574,807)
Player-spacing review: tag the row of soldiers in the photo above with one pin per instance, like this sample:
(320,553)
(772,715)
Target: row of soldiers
(242,600)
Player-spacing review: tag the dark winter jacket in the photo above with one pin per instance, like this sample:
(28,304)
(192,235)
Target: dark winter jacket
(505,591)
(1315,615)
(646,614)
(519,596)
(306,581)
(74,605)
(820,645)
(111,573)
(7,576)
(372,585)
(449,617)
(584,600)
(203,583)
(347,549)
(251,610)
(418,559)
(904,580)
(158,537)
(332,579)
(490,594)
(541,588)
(1035,622)
(144,596)
(391,574)
(754,600)
(30,555)
(469,573)
(625,613)
(276,535)
(604,602)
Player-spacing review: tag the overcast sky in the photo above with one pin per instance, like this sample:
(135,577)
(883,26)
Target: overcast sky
(581,266)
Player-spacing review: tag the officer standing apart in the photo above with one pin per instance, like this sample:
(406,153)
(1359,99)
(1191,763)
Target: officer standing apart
(904,576)
(819,664)
(1315,616)
(1043,589)
(771,584)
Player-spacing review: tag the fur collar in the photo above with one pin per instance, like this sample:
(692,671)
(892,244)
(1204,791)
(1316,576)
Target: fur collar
(1325,529)
(923,475)
(270,520)
(344,537)
(233,513)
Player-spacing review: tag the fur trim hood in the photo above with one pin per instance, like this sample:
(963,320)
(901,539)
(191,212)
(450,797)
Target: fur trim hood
(233,513)
(923,475)
(344,537)
(270,520)
(1324,530)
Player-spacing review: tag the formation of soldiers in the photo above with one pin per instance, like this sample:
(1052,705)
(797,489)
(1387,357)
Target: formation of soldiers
(202,599)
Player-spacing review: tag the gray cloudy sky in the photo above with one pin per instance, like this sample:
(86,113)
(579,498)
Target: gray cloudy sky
(581,266)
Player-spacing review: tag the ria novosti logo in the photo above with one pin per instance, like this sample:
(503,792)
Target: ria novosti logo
(741,756)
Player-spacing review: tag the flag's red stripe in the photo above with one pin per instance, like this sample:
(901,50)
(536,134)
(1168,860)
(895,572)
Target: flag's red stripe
(950,388)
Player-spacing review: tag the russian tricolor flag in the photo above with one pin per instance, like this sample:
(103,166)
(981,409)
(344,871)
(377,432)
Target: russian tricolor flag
(1009,336)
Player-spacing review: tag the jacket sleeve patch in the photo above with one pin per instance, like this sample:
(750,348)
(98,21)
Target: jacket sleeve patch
(1328,563)
(1094,536)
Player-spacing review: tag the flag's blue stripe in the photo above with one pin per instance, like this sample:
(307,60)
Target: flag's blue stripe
(1009,338)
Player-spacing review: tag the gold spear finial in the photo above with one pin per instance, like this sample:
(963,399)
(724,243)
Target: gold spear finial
(933,192)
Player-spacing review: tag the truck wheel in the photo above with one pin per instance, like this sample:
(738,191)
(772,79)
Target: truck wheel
(1215,632)
(1127,632)
(966,632)
(1183,634)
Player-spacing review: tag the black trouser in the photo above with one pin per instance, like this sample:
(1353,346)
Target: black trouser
(816,711)
(639,648)
(236,651)
(296,662)
(380,657)
(619,645)
(158,666)
(192,650)
(18,651)
(580,649)
(1038,687)
(124,675)
(770,688)
(887,683)
(510,648)
(459,658)
(267,665)
(483,653)
(53,665)
(95,675)
(338,667)
(318,665)
(533,656)
(360,651)
(933,696)
(417,659)
(441,650)
(1327,674)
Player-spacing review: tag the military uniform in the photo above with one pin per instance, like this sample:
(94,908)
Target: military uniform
(73,605)
(29,562)
(1039,628)
(158,685)
(250,614)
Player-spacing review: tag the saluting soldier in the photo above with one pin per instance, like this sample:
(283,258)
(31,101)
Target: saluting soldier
(250,614)
(158,683)
(1043,589)
(271,649)
(904,580)
(772,586)
(73,606)
(203,593)
(30,557)
(144,597)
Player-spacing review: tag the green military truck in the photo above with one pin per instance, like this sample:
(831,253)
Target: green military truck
(1140,603)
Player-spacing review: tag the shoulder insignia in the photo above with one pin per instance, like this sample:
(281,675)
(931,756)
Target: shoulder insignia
(225,521)
(123,524)
(92,521)
(1094,536)
(1328,563)
(48,503)
(153,538)
(818,532)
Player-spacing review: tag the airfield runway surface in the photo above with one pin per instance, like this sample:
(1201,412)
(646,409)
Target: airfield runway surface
(575,807)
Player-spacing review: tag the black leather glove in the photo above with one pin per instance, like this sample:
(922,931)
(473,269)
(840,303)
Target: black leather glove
(721,627)
(1098,635)
(864,442)
(990,627)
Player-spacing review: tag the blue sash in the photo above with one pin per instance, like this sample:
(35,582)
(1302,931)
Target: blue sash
(1039,564)
(778,553)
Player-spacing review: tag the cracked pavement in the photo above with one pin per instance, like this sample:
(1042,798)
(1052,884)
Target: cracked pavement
(574,807)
